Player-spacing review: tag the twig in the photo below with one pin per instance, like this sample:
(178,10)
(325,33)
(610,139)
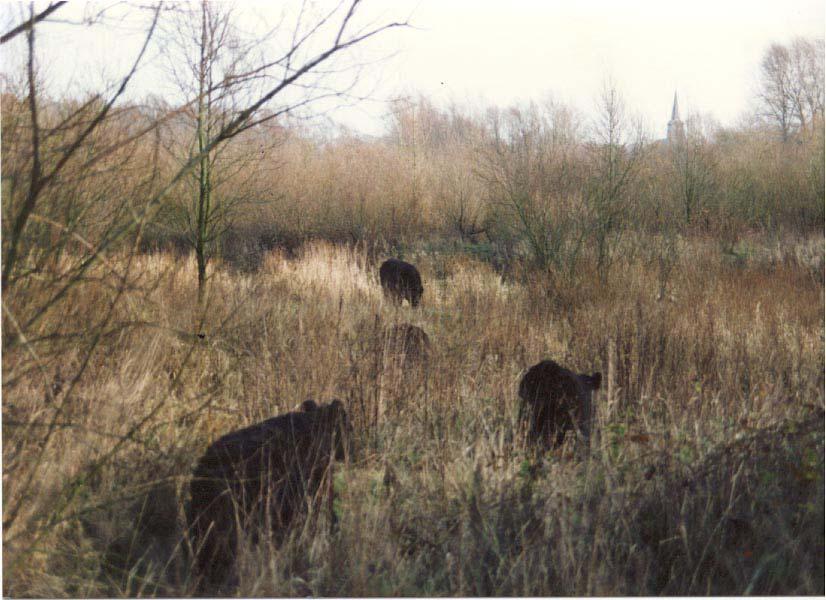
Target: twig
(28,24)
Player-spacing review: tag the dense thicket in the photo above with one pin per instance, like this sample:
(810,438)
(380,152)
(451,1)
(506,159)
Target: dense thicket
(528,182)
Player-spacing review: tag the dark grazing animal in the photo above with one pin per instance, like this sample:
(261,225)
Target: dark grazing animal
(408,341)
(259,476)
(554,401)
(401,280)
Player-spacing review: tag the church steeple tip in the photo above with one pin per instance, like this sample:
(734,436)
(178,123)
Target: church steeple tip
(675,111)
(676,129)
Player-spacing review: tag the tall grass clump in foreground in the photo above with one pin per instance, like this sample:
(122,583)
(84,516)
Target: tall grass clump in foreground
(705,475)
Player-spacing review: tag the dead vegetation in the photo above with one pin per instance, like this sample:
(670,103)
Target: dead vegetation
(706,472)
(692,281)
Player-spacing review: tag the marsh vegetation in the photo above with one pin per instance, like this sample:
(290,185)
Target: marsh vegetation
(157,297)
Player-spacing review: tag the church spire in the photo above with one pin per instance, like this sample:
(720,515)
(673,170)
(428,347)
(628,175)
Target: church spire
(676,129)
(675,111)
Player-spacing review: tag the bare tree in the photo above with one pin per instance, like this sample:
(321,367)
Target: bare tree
(615,156)
(71,224)
(776,92)
(693,161)
(222,69)
(808,85)
(209,61)
(791,85)
(529,168)
(428,137)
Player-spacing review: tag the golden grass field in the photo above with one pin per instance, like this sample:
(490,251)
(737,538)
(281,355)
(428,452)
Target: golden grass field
(705,475)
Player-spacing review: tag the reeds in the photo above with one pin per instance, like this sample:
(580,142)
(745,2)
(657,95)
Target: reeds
(705,474)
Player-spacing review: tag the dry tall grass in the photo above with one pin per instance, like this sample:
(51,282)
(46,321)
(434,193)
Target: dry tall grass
(705,476)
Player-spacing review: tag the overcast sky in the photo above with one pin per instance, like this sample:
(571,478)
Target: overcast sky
(708,50)
(494,52)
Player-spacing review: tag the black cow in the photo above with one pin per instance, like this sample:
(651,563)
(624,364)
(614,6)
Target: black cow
(401,280)
(554,401)
(262,474)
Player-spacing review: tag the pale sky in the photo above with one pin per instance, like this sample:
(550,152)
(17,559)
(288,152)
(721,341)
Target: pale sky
(479,52)
(709,51)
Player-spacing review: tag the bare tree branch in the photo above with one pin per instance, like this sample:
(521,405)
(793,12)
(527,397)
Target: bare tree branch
(31,22)
(38,181)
